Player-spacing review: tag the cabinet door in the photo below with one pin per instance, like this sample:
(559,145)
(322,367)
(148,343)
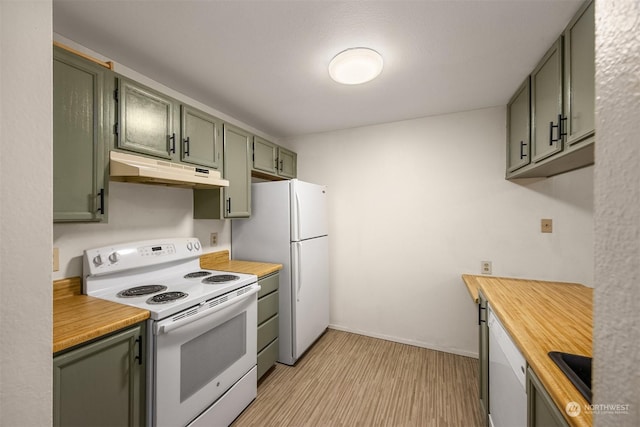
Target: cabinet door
(201,138)
(287,163)
(101,384)
(145,120)
(483,362)
(237,196)
(546,104)
(518,117)
(265,156)
(78,139)
(579,98)
(541,411)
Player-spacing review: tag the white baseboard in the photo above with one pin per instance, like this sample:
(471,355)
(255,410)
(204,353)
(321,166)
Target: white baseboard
(406,341)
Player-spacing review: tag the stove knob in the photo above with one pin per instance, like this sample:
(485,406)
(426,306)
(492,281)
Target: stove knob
(97,260)
(197,246)
(114,257)
(189,245)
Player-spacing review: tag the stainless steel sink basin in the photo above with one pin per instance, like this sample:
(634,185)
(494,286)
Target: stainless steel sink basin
(577,368)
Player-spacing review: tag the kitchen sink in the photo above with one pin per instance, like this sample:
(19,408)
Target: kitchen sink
(577,368)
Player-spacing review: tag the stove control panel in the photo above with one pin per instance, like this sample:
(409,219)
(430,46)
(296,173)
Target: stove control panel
(159,250)
(126,256)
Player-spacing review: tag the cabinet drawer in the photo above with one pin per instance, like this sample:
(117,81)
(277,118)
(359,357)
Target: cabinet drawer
(267,332)
(267,307)
(268,284)
(267,358)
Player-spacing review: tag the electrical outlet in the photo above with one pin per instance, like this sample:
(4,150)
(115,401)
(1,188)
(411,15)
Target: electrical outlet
(56,259)
(546,225)
(214,239)
(485,267)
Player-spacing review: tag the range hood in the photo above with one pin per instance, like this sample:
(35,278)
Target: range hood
(132,168)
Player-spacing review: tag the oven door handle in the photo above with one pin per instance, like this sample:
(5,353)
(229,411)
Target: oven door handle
(164,329)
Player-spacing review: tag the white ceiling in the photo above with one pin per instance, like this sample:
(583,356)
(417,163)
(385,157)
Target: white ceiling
(265,62)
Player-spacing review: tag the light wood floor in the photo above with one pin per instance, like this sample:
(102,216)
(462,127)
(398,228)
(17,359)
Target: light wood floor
(352,380)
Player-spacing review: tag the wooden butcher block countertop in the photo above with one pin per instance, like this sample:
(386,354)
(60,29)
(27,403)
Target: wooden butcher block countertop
(220,261)
(544,316)
(80,318)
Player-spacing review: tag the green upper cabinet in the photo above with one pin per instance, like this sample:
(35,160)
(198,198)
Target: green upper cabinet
(546,104)
(271,161)
(579,67)
(562,105)
(518,116)
(145,120)
(154,124)
(201,138)
(233,201)
(237,169)
(287,163)
(80,118)
(265,156)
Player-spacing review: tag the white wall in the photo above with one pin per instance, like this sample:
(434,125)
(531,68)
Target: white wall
(25,213)
(414,204)
(617,212)
(137,212)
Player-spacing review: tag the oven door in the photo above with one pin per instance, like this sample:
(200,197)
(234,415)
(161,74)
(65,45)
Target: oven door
(201,353)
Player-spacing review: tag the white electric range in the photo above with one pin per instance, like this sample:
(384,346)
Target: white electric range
(202,332)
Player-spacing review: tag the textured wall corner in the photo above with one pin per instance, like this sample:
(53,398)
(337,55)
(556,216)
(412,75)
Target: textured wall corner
(26,213)
(617,212)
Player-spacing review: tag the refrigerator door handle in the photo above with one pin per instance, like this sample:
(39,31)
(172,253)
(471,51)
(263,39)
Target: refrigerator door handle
(297,217)
(298,270)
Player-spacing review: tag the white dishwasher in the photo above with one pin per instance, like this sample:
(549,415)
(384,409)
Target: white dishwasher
(507,378)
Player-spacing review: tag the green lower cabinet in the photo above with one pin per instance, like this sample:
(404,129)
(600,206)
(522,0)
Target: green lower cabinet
(541,410)
(268,322)
(80,147)
(267,357)
(483,351)
(102,383)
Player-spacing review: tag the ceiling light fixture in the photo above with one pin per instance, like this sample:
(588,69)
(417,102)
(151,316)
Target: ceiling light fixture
(355,66)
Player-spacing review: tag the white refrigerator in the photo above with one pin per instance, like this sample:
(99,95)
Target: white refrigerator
(289,226)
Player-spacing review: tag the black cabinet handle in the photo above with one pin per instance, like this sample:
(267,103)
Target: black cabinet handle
(551,138)
(139,355)
(172,138)
(276,163)
(281,165)
(100,209)
(562,131)
(229,205)
(522,153)
(186,146)
(480,308)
